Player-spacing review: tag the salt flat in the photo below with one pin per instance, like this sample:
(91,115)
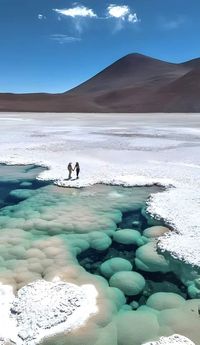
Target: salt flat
(127,149)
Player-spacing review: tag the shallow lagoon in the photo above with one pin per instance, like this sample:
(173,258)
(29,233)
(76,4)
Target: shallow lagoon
(100,235)
(128,149)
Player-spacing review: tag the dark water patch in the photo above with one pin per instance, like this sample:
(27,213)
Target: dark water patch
(18,177)
(31,167)
(92,259)
(165,282)
(133,220)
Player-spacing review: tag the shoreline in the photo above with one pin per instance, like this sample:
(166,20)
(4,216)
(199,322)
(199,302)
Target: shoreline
(150,207)
(166,154)
(50,248)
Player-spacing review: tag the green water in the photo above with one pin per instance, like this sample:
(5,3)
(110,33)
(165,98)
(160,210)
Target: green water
(98,235)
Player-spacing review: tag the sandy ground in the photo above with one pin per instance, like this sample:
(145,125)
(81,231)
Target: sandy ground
(125,149)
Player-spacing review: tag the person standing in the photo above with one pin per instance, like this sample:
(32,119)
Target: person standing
(77,169)
(70,169)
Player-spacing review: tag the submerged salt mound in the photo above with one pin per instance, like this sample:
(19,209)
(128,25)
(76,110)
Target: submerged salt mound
(128,236)
(42,309)
(130,283)
(114,265)
(165,300)
(175,339)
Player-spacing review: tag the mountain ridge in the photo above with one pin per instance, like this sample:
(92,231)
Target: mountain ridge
(134,83)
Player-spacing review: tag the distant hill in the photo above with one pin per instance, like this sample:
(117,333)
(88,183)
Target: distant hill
(135,83)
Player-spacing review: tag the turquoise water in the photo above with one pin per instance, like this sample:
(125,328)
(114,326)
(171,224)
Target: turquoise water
(8,182)
(92,260)
(97,235)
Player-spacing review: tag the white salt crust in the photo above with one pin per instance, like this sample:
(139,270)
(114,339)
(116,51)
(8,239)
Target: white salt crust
(175,339)
(42,309)
(126,149)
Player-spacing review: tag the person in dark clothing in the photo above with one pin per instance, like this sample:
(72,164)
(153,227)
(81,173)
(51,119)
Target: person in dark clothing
(70,169)
(77,169)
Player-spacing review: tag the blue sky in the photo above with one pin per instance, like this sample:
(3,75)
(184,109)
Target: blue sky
(53,45)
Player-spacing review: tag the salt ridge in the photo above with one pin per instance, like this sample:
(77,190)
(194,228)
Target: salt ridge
(42,309)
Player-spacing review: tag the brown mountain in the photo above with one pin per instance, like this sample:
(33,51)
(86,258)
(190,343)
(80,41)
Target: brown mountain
(135,83)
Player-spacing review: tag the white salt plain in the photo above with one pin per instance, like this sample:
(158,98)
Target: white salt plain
(126,149)
(129,149)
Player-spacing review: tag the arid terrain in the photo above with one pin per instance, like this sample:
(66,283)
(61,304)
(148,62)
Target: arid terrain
(133,84)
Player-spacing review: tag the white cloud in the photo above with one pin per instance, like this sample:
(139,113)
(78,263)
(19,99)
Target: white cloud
(133,18)
(118,11)
(78,11)
(41,16)
(122,12)
(60,38)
